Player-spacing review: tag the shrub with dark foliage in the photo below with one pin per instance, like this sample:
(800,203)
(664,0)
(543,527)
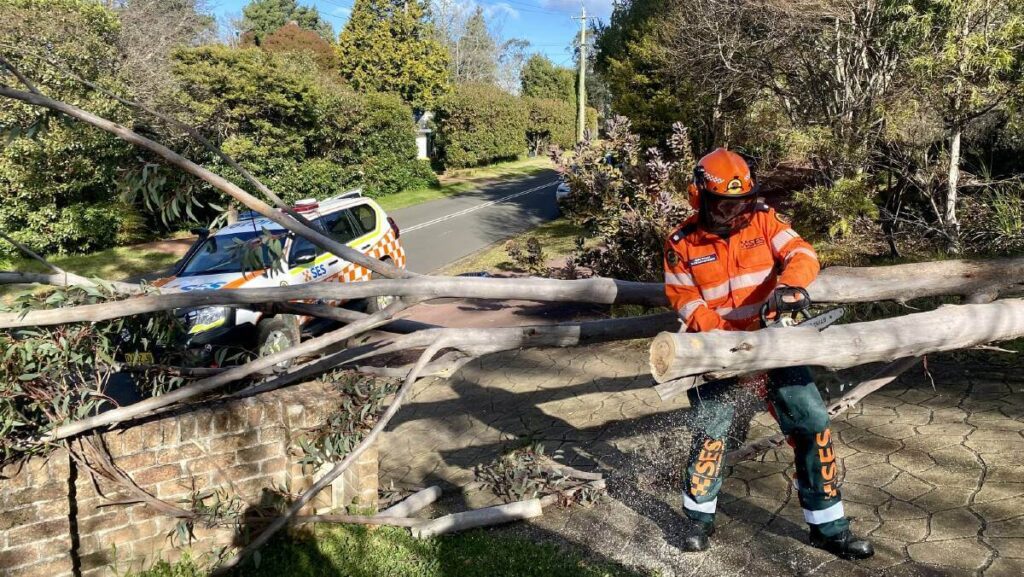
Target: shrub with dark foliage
(629,201)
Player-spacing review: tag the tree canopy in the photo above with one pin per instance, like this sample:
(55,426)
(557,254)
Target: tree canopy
(540,78)
(263,17)
(385,47)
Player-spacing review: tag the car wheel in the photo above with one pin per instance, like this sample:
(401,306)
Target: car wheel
(379,303)
(277,334)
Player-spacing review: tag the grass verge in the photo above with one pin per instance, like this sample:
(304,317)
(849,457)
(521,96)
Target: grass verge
(558,237)
(392,552)
(459,181)
(112,264)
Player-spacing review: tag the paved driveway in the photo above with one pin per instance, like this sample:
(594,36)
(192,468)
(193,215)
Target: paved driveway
(935,476)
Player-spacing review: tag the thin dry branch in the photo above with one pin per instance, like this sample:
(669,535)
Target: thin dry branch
(599,291)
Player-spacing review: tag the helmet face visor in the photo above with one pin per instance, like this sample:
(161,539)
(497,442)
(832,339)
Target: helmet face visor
(727,215)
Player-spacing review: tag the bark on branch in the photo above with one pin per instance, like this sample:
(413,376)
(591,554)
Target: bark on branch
(951,327)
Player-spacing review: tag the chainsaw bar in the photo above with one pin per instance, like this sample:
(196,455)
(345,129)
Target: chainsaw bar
(823,320)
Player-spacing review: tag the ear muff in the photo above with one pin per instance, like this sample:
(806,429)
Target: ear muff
(693,195)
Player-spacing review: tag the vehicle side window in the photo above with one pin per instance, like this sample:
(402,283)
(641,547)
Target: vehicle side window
(301,245)
(341,226)
(365,217)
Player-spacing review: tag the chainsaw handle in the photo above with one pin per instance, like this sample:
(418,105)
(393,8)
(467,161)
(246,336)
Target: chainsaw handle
(794,313)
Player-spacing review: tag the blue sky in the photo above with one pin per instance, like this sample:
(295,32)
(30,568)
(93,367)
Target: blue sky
(547,24)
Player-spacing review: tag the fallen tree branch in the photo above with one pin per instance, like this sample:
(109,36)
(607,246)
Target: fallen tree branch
(484,517)
(217,381)
(346,519)
(340,467)
(412,504)
(64,280)
(599,291)
(726,353)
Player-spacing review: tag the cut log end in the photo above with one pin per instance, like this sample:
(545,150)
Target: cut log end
(663,352)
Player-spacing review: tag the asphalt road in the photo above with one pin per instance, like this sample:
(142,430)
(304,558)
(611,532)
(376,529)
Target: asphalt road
(442,231)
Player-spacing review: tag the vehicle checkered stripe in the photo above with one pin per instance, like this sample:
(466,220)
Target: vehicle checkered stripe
(388,246)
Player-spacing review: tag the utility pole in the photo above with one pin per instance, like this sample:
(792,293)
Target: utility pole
(581,97)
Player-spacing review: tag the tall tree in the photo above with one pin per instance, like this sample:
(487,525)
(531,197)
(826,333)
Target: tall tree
(150,31)
(476,52)
(511,59)
(540,78)
(973,58)
(386,47)
(263,17)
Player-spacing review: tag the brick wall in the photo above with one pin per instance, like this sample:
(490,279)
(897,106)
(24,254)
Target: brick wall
(52,523)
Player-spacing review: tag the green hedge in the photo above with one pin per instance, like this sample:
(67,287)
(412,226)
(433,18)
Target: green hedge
(478,124)
(58,179)
(291,126)
(552,122)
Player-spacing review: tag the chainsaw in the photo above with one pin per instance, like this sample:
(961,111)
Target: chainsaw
(797,318)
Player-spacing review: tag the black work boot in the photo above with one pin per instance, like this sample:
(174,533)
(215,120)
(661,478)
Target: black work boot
(844,545)
(696,536)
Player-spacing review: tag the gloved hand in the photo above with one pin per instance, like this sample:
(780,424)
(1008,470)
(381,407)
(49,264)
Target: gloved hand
(788,299)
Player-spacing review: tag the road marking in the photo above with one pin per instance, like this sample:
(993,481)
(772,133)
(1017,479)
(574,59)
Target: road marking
(475,208)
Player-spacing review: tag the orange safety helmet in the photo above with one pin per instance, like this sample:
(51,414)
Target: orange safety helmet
(723,191)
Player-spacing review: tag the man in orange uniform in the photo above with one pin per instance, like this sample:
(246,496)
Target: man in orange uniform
(721,266)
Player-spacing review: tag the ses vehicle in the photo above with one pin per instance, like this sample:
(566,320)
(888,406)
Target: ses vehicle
(217,261)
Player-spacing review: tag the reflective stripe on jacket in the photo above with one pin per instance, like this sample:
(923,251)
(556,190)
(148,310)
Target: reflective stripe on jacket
(717,283)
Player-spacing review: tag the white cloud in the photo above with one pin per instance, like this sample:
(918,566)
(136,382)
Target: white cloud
(492,11)
(341,11)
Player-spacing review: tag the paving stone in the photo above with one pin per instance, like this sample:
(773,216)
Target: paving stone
(994,511)
(943,498)
(865,494)
(994,491)
(911,460)
(954,524)
(949,477)
(857,460)
(945,429)
(1005,568)
(907,487)
(960,553)
(876,475)
(903,530)
(896,431)
(1009,528)
(1005,473)
(930,443)
(900,510)
(1009,548)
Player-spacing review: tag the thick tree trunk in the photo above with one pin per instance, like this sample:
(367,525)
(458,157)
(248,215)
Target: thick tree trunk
(675,355)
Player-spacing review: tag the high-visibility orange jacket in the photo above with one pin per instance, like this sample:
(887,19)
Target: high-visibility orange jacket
(721,283)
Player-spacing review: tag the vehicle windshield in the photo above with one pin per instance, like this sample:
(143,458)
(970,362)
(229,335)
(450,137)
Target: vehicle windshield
(226,254)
